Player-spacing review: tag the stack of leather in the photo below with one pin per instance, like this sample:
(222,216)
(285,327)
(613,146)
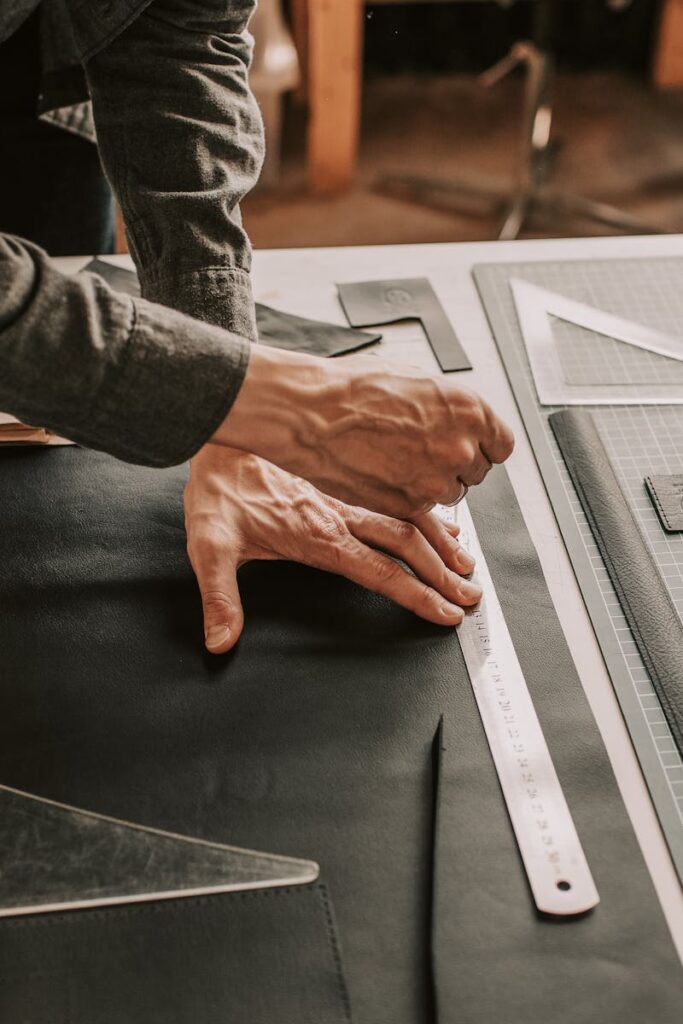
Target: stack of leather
(12,431)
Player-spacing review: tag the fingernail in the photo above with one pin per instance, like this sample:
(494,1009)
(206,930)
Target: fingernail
(466,560)
(451,611)
(471,591)
(217,635)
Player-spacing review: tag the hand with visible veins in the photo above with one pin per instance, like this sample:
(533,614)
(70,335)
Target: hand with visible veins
(239,507)
(389,438)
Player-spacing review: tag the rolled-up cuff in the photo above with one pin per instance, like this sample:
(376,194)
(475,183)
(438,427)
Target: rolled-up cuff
(172,389)
(217,295)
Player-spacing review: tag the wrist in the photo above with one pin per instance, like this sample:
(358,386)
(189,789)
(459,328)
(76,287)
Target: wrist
(280,411)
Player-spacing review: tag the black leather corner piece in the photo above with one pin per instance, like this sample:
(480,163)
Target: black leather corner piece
(656,626)
(283,330)
(275,328)
(370,303)
(666,492)
(266,957)
(315,739)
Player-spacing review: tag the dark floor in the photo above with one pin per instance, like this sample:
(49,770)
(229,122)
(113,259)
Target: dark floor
(615,140)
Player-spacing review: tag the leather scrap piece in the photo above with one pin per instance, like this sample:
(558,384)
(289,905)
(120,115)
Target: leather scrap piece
(265,957)
(656,626)
(369,303)
(299,334)
(666,492)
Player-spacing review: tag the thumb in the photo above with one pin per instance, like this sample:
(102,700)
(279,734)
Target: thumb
(223,615)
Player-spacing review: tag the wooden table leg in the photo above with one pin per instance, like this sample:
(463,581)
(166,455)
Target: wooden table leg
(668,62)
(334,92)
(298,15)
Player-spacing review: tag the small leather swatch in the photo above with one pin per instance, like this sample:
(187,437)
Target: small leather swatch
(666,492)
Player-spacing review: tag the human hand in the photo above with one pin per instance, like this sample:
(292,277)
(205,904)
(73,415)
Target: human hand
(239,508)
(370,433)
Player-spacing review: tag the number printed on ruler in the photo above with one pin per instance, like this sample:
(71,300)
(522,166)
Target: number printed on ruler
(517,746)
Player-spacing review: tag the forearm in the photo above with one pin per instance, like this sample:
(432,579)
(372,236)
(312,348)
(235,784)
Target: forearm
(283,410)
(181,139)
(142,382)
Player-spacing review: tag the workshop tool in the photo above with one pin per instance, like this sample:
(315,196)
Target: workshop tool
(640,441)
(554,357)
(56,857)
(556,867)
(371,303)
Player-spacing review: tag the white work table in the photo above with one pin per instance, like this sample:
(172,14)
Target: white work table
(303,281)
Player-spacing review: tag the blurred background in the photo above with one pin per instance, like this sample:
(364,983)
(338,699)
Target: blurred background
(386,123)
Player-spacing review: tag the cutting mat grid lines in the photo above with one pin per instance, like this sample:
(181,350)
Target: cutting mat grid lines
(639,440)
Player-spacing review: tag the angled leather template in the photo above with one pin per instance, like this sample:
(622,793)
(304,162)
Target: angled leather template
(370,303)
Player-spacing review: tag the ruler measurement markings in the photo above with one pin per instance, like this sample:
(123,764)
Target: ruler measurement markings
(555,864)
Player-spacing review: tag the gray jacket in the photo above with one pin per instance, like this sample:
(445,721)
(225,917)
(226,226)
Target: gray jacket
(181,140)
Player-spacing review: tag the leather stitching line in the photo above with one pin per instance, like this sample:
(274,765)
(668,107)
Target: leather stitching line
(336,954)
(52,919)
(660,508)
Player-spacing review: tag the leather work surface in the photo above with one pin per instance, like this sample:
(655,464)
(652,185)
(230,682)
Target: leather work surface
(343,730)
(651,614)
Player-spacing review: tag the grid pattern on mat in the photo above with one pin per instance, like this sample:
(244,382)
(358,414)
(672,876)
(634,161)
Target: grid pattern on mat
(639,440)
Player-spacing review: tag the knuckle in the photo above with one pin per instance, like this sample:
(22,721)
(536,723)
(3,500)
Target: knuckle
(321,522)
(473,408)
(426,599)
(405,533)
(463,452)
(507,443)
(216,605)
(385,570)
(205,539)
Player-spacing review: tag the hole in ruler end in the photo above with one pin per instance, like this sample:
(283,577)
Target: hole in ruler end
(564,886)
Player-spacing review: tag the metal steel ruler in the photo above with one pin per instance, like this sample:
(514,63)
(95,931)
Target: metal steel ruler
(558,873)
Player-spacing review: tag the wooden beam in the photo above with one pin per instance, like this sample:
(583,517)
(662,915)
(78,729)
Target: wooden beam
(334,92)
(668,62)
(121,242)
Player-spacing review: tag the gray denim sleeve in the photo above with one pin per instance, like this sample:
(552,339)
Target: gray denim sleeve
(132,378)
(181,140)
